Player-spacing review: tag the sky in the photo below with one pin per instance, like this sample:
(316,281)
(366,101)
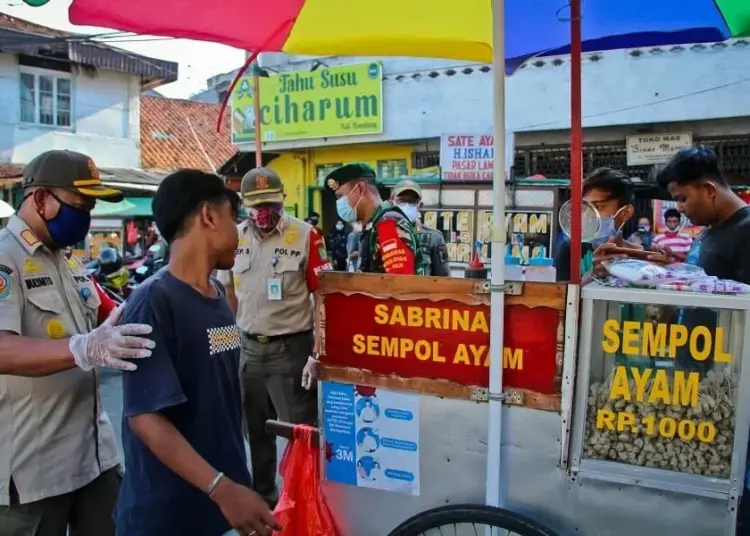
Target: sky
(198,60)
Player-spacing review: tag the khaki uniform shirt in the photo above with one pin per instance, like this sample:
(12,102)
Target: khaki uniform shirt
(290,256)
(54,436)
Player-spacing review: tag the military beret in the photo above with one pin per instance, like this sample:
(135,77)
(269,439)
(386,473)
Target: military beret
(349,172)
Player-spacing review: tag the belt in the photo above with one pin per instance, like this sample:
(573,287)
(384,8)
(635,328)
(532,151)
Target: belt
(265,339)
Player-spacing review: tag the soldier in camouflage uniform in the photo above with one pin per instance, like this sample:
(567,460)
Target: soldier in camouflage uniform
(389,241)
(407,195)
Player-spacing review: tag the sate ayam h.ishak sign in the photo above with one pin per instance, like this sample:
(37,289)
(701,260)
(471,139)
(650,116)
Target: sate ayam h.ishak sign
(442,340)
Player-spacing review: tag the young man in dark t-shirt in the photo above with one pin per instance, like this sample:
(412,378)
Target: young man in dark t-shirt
(696,183)
(186,467)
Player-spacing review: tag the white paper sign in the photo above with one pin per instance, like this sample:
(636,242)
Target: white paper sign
(645,149)
(373,435)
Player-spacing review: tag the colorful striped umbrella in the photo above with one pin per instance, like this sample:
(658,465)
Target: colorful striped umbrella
(459,29)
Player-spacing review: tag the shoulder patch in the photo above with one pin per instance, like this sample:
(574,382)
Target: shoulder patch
(4,285)
(6,269)
(29,237)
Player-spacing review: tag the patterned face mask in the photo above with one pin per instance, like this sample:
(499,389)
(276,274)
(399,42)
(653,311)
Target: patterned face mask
(265,218)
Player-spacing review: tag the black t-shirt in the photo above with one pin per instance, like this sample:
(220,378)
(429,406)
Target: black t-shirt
(724,250)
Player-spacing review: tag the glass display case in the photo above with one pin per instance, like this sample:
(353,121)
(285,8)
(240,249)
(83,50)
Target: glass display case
(661,398)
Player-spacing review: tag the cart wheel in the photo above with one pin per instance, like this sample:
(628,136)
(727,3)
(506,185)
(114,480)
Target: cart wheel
(469,520)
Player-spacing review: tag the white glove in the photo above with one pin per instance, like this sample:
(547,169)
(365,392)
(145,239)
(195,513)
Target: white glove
(310,373)
(109,344)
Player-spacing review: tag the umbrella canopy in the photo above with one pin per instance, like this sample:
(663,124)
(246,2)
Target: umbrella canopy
(6,211)
(423,28)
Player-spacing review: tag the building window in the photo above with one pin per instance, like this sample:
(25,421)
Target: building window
(46,99)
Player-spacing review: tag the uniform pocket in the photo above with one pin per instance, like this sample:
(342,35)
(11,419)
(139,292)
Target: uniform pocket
(241,264)
(47,302)
(287,265)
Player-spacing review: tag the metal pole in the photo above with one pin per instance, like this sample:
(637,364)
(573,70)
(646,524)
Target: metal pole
(256,108)
(576,142)
(494,494)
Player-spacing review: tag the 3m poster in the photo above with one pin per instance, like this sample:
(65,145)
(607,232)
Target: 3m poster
(372,437)
(346,100)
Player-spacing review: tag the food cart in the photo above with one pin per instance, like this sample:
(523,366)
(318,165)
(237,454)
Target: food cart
(553,401)
(606,430)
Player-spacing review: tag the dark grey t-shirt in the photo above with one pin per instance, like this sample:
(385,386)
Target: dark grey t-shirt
(192,379)
(724,250)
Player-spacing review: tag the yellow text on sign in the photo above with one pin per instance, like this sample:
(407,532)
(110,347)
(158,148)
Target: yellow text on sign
(682,392)
(666,427)
(424,350)
(663,340)
(443,318)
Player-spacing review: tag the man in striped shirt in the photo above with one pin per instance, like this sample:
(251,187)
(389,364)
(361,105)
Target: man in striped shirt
(673,240)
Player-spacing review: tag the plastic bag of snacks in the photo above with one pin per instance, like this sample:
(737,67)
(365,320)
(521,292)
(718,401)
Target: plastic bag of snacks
(678,276)
(648,274)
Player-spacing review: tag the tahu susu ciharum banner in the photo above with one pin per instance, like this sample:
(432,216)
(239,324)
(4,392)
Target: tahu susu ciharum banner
(329,102)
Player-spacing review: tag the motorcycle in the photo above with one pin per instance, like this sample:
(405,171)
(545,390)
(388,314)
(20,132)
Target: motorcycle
(111,274)
(156,258)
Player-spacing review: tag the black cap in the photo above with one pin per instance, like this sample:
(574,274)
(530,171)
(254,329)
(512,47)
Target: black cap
(70,170)
(349,172)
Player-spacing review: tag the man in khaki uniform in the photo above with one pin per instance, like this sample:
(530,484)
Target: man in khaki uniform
(58,455)
(274,275)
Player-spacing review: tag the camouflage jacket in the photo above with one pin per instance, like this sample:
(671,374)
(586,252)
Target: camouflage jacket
(389,244)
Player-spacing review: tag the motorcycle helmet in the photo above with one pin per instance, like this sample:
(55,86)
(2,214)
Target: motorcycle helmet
(110,261)
(118,279)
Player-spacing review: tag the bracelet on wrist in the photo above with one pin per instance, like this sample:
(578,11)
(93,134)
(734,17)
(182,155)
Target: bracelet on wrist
(215,483)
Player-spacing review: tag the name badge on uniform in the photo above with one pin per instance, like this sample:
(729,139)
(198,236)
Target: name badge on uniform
(274,284)
(274,289)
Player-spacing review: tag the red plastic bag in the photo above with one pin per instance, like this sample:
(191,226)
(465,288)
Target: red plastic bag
(302,510)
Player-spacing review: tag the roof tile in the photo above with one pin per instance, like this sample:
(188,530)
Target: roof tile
(182,134)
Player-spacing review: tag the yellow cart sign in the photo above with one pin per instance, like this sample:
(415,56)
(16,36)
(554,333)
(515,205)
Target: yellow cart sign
(328,102)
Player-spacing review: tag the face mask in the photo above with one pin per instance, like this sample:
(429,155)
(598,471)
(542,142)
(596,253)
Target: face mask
(265,219)
(644,228)
(340,226)
(69,226)
(314,220)
(411,210)
(346,211)
(607,228)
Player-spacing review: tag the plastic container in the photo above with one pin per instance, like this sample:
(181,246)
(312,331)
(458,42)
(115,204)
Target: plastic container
(541,269)
(513,268)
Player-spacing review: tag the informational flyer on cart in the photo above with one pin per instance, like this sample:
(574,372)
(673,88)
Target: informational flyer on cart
(372,437)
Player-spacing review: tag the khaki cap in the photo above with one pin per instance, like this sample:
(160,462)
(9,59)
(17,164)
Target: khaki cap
(69,170)
(407,185)
(261,185)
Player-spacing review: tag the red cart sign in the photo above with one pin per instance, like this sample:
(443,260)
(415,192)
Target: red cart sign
(441,341)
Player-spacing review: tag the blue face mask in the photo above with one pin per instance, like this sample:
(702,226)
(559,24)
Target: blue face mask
(346,211)
(69,226)
(607,229)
